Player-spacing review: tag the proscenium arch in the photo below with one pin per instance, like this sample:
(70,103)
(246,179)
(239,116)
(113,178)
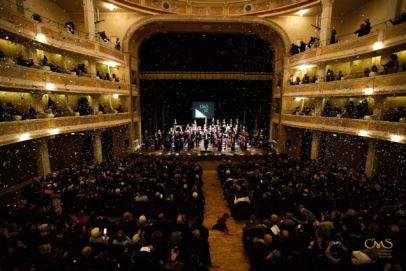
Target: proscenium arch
(266,29)
(141,30)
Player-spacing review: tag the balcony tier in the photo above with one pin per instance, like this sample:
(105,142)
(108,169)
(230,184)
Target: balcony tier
(19,77)
(391,36)
(383,130)
(10,132)
(394,83)
(57,36)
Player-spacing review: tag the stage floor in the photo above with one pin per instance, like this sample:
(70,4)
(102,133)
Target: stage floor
(210,150)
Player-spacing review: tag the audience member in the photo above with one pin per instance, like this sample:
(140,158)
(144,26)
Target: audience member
(294,49)
(45,235)
(117,45)
(392,65)
(305,79)
(333,37)
(70,27)
(400,19)
(340,75)
(309,215)
(330,75)
(365,29)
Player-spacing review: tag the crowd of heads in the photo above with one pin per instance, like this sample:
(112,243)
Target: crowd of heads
(143,213)
(308,215)
(351,110)
(303,46)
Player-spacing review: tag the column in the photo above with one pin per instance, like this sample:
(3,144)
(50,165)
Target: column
(97,147)
(32,54)
(131,137)
(43,164)
(95,104)
(92,68)
(318,107)
(325,21)
(282,138)
(393,8)
(89,18)
(315,147)
(371,162)
(37,102)
(120,134)
(138,133)
(321,71)
(379,107)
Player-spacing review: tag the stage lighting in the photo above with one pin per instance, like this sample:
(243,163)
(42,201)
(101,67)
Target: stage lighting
(103,36)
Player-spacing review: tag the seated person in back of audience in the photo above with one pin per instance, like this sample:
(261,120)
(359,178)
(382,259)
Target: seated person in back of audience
(31,114)
(327,110)
(294,49)
(52,109)
(307,110)
(349,111)
(118,44)
(297,111)
(333,37)
(313,79)
(83,107)
(114,77)
(400,113)
(302,46)
(4,115)
(107,77)
(362,109)
(366,72)
(305,79)
(340,75)
(392,65)
(102,109)
(297,80)
(12,111)
(312,41)
(374,71)
(45,61)
(400,19)
(70,26)
(364,29)
(330,75)
(120,109)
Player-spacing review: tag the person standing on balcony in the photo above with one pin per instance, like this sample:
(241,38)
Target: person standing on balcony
(118,44)
(333,38)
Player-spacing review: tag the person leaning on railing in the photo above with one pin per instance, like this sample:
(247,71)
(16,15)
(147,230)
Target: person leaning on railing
(364,29)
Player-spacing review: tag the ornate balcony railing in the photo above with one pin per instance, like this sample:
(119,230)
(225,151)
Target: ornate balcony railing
(394,83)
(57,36)
(218,7)
(384,130)
(19,77)
(17,131)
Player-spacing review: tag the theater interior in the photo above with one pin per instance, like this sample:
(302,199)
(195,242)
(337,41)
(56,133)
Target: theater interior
(197,135)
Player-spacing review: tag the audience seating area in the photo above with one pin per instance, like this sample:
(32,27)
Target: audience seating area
(144,213)
(314,216)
